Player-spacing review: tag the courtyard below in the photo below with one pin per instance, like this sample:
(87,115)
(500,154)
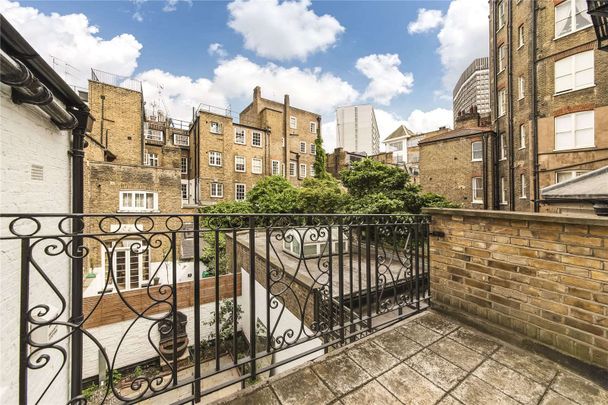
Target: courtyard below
(426,359)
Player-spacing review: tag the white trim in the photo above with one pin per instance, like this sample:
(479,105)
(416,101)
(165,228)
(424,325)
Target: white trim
(219,187)
(474,188)
(278,171)
(244,161)
(302,170)
(244,135)
(253,133)
(573,130)
(253,166)
(215,155)
(236,185)
(572,18)
(293,122)
(132,207)
(473,152)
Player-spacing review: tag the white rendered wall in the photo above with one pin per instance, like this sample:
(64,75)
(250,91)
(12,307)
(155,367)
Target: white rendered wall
(136,348)
(287,321)
(28,137)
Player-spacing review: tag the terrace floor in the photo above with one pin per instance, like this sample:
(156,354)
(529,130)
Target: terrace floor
(427,359)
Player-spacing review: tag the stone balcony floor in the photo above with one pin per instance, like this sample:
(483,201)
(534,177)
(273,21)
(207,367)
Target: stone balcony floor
(427,359)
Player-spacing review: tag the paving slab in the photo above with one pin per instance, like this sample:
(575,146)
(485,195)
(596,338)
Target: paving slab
(419,333)
(370,393)
(341,374)
(396,344)
(477,392)
(262,396)
(302,387)
(449,400)
(510,382)
(372,358)
(410,387)
(535,367)
(553,398)
(456,353)
(437,369)
(438,323)
(578,389)
(474,341)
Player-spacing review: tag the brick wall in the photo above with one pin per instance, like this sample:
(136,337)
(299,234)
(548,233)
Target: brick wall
(541,277)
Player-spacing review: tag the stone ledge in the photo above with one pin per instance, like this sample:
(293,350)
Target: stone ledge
(519,216)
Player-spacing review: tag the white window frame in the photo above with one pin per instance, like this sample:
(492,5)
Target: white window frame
(275,167)
(503,191)
(293,122)
(501,14)
(501,58)
(572,62)
(473,159)
(572,17)
(521,87)
(293,169)
(520,36)
(573,174)
(236,192)
(476,189)
(312,170)
(181,140)
(153,134)
(313,149)
(522,136)
(219,130)
(302,170)
(256,165)
(240,136)
(313,127)
(237,161)
(502,102)
(183,166)
(302,147)
(504,150)
(143,255)
(253,142)
(523,194)
(151,159)
(133,208)
(215,156)
(574,117)
(216,190)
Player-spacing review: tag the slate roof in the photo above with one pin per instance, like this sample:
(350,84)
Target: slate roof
(456,133)
(590,186)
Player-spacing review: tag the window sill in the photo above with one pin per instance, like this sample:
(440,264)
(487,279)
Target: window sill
(476,160)
(240,171)
(238,143)
(575,149)
(523,198)
(476,202)
(522,148)
(502,159)
(519,47)
(572,32)
(504,203)
(574,90)
(137,211)
(256,146)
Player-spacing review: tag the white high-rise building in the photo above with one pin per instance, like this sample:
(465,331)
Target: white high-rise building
(357,130)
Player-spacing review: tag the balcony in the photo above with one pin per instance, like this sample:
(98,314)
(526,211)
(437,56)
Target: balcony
(308,308)
(181,140)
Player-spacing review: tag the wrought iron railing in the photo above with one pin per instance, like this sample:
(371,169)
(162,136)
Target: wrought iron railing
(112,300)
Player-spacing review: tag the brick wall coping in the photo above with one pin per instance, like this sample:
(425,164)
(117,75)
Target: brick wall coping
(519,216)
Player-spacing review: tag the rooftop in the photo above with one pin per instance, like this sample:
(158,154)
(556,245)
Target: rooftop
(426,359)
(456,133)
(400,132)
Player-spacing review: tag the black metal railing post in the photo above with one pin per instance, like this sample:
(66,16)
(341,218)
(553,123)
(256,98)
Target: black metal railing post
(23,321)
(417,263)
(368,271)
(174,305)
(341,278)
(197,308)
(218,319)
(252,315)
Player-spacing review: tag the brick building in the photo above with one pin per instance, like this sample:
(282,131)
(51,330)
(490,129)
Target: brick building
(550,98)
(340,159)
(270,138)
(413,152)
(456,163)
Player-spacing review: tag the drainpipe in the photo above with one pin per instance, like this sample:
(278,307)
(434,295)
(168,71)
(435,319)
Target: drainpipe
(27,89)
(285,133)
(496,136)
(484,145)
(101,122)
(533,116)
(510,109)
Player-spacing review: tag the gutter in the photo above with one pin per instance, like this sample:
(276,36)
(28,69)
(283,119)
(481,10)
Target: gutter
(535,166)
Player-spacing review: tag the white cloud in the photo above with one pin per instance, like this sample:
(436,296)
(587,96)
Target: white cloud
(427,20)
(311,89)
(463,38)
(72,40)
(171,5)
(386,80)
(328,132)
(217,49)
(283,31)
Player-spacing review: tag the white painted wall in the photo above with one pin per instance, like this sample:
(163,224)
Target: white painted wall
(287,321)
(28,137)
(357,130)
(136,348)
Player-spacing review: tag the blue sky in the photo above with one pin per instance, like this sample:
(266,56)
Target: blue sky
(325,53)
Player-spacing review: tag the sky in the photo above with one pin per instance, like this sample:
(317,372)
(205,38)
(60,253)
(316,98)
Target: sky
(403,57)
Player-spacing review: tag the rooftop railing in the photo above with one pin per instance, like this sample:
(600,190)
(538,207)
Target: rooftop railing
(109,306)
(116,80)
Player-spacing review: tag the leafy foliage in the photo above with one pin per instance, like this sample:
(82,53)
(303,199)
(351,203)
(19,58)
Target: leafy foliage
(321,195)
(273,194)
(320,164)
(226,319)
(369,176)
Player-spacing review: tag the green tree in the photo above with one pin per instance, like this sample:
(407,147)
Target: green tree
(321,196)
(369,176)
(273,194)
(320,160)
